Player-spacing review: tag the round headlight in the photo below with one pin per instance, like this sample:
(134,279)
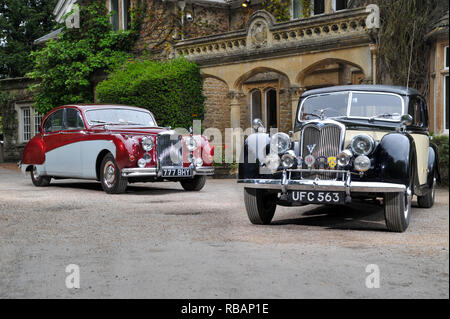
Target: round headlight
(362,144)
(280,143)
(147,144)
(191,143)
(288,159)
(344,158)
(272,162)
(362,163)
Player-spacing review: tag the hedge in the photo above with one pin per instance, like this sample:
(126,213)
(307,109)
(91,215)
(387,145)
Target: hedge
(172,90)
(442,143)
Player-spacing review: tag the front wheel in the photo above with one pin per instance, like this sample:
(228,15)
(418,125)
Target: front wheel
(110,176)
(195,184)
(397,210)
(260,205)
(39,180)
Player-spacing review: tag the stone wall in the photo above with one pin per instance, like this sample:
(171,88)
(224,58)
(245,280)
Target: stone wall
(217,105)
(15,90)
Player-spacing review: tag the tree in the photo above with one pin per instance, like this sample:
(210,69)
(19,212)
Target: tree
(22,22)
(66,65)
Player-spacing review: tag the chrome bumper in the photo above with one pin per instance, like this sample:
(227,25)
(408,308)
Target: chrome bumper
(153,172)
(344,185)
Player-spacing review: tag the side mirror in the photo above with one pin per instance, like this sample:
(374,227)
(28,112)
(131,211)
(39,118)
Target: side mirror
(258,124)
(407,119)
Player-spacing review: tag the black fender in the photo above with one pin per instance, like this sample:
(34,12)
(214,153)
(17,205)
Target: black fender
(255,148)
(433,164)
(395,159)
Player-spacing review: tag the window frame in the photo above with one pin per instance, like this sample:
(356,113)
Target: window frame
(251,105)
(446,129)
(445,57)
(19,107)
(118,15)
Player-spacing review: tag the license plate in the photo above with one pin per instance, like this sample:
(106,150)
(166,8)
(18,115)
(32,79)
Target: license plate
(176,172)
(317,197)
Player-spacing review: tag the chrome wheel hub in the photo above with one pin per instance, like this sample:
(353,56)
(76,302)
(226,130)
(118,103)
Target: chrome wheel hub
(35,173)
(109,174)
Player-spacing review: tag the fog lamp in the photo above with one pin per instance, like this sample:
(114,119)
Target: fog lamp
(288,159)
(344,157)
(362,163)
(142,162)
(198,162)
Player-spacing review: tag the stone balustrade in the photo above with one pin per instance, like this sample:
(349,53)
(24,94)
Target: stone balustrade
(263,35)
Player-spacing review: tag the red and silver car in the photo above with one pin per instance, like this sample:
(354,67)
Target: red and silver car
(115,145)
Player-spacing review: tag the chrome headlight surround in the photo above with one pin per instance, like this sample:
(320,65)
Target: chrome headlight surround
(147,143)
(191,143)
(362,144)
(362,163)
(280,143)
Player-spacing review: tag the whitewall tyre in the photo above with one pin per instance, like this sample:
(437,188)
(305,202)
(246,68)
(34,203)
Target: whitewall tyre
(111,177)
(39,180)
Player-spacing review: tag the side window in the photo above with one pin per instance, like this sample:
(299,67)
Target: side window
(417,111)
(424,112)
(74,120)
(54,122)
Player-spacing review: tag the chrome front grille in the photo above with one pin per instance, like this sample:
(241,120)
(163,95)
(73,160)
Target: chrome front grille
(327,139)
(169,150)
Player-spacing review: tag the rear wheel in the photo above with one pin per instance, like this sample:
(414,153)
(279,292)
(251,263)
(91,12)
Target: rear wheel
(110,176)
(260,205)
(39,180)
(195,184)
(397,210)
(427,200)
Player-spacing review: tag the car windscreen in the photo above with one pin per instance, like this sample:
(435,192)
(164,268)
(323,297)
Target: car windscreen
(120,117)
(376,105)
(326,105)
(371,105)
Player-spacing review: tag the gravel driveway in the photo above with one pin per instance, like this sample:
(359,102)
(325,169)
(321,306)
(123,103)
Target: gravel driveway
(158,241)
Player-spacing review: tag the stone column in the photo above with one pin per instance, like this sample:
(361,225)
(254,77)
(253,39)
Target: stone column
(295,93)
(235,106)
(374,51)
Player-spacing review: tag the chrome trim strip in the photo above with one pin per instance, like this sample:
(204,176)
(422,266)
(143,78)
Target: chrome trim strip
(139,172)
(332,186)
(203,170)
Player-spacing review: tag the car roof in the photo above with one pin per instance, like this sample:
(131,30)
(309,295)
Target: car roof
(87,107)
(368,88)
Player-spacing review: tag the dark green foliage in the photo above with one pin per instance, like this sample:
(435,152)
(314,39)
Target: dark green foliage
(442,142)
(22,22)
(172,90)
(66,65)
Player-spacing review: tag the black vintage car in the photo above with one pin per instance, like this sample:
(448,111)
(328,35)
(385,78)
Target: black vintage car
(350,142)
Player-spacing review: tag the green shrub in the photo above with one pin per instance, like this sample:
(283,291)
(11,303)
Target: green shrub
(172,90)
(442,143)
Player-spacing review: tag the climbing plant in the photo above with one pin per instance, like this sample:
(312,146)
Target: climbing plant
(403,29)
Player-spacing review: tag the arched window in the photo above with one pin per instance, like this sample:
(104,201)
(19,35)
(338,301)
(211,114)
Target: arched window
(255,105)
(271,108)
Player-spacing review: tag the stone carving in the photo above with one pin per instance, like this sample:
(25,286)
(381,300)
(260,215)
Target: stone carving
(258,34)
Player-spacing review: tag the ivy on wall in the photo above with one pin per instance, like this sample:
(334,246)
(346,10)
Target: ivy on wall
(172,90)
(66,65)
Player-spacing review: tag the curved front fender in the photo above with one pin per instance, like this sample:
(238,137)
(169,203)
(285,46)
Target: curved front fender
(394,159)
(254,152)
